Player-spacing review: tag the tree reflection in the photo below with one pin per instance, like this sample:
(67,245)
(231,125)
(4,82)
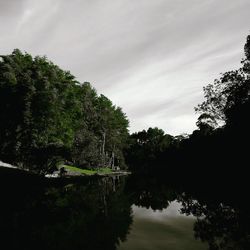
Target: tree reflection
(221,225)
(222,220)
(149,192)
(92,215)
(95,213)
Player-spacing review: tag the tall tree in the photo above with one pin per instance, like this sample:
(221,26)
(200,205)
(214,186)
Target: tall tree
(231,90)
(47,115)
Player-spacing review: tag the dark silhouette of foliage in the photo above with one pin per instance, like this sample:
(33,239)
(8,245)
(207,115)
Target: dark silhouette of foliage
(96,213)
(93,214)
(220,141)
(221,224)
(146,148)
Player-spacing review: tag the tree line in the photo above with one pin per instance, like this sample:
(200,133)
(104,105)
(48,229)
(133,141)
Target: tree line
(220,141)
(47,116)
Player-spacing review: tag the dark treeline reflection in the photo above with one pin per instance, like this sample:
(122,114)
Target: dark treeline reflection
(222,220)
(221,225)
(96,213)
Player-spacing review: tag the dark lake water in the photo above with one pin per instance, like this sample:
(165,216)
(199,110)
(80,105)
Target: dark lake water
(118,213)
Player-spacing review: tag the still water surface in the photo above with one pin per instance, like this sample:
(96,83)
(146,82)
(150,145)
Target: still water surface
(117,214)
(166,229)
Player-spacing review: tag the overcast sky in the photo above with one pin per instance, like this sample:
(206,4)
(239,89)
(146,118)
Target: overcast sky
(151,57)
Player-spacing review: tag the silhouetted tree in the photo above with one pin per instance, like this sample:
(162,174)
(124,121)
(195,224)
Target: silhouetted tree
(146,148)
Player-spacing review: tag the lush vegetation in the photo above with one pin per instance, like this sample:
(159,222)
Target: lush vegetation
(220,140)
(47,116)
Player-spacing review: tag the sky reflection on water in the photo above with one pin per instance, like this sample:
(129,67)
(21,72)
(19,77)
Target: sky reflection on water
(166,229)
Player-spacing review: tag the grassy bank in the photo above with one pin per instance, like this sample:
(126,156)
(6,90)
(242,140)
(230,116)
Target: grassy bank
(87,171)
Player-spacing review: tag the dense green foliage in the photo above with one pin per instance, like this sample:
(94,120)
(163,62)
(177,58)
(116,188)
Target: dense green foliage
(47,116)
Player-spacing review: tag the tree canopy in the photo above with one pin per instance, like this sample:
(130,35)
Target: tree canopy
(47,115)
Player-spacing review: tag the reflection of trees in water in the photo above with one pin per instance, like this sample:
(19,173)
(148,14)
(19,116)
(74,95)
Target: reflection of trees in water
(96,214)
(223,223)
(221,226)
(149,192)
(92,215)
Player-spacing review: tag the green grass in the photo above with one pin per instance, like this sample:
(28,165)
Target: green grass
(87,171)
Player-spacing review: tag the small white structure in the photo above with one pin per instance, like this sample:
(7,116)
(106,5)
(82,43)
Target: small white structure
(53,175)
(6,165)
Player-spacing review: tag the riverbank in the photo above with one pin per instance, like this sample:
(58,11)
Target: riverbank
(14,178)
(68,172)
(72,171)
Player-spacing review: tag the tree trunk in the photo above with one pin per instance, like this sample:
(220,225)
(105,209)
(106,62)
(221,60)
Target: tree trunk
(103,149)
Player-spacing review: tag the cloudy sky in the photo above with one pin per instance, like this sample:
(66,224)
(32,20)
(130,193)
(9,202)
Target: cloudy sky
(151,57)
